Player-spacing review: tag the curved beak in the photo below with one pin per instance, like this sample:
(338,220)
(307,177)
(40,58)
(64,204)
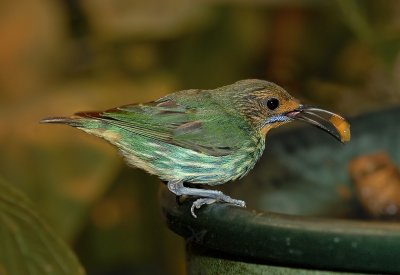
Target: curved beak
(324,120)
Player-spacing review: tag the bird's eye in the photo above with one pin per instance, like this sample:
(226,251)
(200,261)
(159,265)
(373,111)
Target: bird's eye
(272,103)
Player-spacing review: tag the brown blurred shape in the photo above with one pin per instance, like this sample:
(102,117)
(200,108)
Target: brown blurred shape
(377,181)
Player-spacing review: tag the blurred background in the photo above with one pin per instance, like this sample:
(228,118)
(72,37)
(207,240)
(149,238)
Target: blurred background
(59,57)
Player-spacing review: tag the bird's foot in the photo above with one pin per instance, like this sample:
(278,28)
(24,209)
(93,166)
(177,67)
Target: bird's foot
(204,201)
(207,196)
(199,203)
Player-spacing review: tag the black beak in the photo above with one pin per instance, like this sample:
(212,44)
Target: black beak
(317,117)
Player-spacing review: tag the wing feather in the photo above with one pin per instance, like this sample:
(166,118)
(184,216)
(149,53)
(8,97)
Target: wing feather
(194,124)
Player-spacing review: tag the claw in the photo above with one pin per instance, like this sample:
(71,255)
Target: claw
(199,203)
(204,201)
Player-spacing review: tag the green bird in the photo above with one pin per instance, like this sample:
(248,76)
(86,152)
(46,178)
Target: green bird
(205,137)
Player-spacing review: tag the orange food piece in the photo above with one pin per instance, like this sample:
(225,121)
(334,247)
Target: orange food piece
(377,182)
(342,126)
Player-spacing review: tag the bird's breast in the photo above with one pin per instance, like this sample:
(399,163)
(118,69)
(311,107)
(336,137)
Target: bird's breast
(247,158)
(171,162)
(218,170)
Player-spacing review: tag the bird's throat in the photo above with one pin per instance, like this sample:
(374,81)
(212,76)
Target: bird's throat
(268,127)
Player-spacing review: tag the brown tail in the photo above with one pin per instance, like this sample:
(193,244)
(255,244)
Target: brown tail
(74,122)
(77,120)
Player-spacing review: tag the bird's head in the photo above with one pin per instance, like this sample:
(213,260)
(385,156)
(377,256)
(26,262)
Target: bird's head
(267,106)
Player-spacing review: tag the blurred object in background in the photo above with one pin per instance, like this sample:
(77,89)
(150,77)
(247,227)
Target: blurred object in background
(28,244)
(113,20)
(377,181)
(33,45)
(57,57)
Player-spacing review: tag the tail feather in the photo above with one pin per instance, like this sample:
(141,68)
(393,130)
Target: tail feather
(90,114)
(80,120)
(90,122)
(71,121)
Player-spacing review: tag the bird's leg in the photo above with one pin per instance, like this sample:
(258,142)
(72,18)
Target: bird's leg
(207,196)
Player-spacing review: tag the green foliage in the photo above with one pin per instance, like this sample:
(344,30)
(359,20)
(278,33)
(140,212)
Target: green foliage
(28,246)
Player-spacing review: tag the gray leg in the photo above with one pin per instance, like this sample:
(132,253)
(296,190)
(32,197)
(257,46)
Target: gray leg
(207,196)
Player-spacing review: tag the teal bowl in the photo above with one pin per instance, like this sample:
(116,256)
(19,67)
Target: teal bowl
(298,219)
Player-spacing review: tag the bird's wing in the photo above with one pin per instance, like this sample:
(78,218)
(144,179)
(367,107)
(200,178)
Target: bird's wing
(202,126)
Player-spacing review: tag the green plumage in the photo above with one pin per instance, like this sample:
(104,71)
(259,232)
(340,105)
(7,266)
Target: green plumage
(191,136)
(204,137)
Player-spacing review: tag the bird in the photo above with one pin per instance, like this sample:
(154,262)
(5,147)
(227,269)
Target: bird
(201,137)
